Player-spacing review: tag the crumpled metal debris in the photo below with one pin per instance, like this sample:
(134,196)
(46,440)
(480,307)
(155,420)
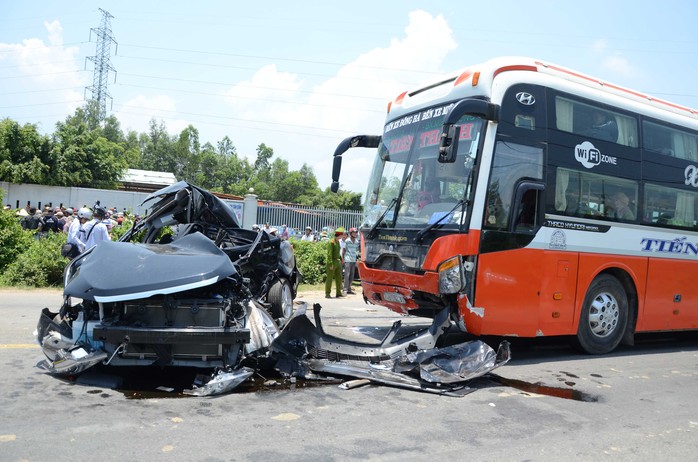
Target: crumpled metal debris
(304,349)
(456,363)
(72,362)
(411,362)
(221,382)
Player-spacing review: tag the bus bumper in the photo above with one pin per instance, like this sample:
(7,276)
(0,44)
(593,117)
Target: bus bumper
(397,291)
(404,294)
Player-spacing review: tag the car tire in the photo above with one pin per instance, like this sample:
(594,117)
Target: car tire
(280,298)
(604,316)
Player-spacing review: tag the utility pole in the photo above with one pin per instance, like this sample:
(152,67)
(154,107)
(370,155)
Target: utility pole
(102,64)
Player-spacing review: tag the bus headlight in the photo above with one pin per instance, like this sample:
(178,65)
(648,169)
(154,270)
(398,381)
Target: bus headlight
(451,276)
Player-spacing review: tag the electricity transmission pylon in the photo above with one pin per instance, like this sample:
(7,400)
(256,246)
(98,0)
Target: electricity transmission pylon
(99,91)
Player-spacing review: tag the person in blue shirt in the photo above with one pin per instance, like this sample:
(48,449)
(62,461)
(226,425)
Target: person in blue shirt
(351,251)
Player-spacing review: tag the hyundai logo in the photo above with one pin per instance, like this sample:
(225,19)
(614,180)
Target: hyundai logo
(526,99)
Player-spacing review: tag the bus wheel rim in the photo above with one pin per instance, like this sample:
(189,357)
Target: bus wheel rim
(604,314)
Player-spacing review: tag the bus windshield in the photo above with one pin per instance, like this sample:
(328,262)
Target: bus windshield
(408,187)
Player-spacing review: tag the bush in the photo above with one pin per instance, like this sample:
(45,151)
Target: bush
(40,265)
(13,239)
(311,258)
(120,230)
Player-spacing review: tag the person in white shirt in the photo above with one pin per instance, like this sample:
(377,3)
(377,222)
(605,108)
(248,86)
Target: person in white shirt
(76,232)
(96,230)
(308,236)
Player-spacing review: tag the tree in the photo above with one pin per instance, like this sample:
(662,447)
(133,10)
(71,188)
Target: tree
(24,154)
(132,145)
(186,154)
(236,175)
(226,147)
(264,153)
(339,200)
(261,178)
(83,157)
(233,174)
(112,130)
(157,149)
(207,175)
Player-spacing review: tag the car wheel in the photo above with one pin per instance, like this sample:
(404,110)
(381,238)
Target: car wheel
(280,298)
(604,316)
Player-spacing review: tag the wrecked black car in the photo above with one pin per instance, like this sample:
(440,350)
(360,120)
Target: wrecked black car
(186,286)
(265,262)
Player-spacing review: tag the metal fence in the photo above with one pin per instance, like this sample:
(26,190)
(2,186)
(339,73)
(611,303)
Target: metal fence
(298,217)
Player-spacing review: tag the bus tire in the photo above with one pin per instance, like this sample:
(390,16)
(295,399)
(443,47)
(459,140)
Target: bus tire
(604,316)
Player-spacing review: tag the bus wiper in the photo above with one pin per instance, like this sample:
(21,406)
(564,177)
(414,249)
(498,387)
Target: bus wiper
(461,203)
(392,203)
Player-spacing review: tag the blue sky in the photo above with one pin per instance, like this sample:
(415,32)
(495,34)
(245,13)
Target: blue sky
(301,76)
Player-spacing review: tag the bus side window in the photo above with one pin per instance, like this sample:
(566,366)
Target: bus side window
(595,122)
(525,121)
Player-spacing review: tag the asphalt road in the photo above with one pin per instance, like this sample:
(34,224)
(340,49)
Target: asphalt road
(548,403)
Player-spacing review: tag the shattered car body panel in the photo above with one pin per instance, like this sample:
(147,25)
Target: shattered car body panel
(412,362)
(142,271)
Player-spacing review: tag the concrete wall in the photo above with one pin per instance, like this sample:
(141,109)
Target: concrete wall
(19,195)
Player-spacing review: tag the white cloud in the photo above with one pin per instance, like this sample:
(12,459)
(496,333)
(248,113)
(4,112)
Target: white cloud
(619,65)
(266,84)
(599,45)
(55,32)
(136,114)
(352,102)
(46,63)
(50,73)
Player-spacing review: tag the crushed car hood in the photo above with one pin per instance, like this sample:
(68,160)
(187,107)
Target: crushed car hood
(118,271)
(190,204)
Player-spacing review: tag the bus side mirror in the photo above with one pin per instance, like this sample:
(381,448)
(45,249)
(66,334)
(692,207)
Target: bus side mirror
(360,141)
(336,169)
(448,145)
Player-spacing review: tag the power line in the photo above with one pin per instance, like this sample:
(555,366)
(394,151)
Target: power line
(248,68)
(277,58)
(236,118)
(41,104)
(39,91)
(102,63)
(39,64)
(265,129)
(334,106)
(228,84)
(22,48)
(40,75)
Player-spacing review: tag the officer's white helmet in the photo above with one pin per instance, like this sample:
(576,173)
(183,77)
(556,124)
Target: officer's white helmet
(85,213)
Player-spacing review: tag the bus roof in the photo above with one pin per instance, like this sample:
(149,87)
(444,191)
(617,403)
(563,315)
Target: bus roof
(482,75)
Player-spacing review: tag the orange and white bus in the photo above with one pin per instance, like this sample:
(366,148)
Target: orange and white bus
(533,200)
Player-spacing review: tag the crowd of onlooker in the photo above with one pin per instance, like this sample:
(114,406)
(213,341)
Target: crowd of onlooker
(59,219)
(309,234)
